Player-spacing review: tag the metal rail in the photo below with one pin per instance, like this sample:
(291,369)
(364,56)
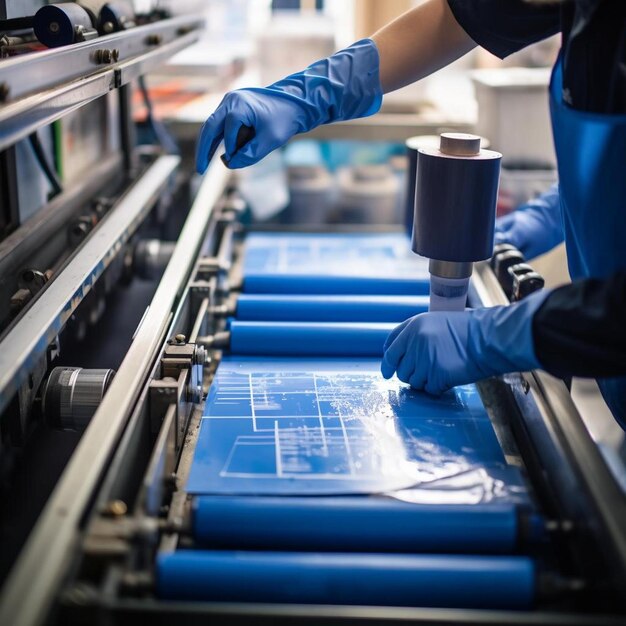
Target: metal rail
(39,71)
(18,248)
(28,340)
(31,588)
(43,86)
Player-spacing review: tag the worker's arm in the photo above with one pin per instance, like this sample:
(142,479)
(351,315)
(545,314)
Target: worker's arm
(440,350)
(437,32)
(580,330)
(344,86)
(350,83)
(575,330)
(535,227)
(418,43)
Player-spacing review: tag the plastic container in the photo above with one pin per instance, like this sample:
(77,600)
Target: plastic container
(292,41)
(367,194)
(311,193)
(520,182)
(513,112)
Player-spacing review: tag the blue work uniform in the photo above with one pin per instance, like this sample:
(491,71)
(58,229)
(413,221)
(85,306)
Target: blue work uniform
(580,330)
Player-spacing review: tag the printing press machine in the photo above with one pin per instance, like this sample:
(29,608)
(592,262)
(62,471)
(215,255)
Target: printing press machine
(246,462)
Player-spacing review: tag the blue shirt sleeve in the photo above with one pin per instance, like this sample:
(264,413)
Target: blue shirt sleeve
(506,26)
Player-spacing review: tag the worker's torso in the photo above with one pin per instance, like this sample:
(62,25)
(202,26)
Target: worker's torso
(591,156)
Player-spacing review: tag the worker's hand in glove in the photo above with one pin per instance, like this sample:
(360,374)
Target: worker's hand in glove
(534,227)
(439,350)
(343,86)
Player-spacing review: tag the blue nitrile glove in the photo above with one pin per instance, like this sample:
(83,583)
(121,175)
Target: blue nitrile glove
(437,351)
(535,227)
(343,86)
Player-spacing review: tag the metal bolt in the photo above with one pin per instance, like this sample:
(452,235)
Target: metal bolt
(53,27)
(32,280)
(79,594)
(107,27)
(104,56)
(78,231)
(180,338)
(116,508)
(199,356)
(5,90)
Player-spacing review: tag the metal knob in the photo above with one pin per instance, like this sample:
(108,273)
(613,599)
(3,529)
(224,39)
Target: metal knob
(519,269)
(501,264)
(459,144)
(72,395)
(498,250)
(527,283)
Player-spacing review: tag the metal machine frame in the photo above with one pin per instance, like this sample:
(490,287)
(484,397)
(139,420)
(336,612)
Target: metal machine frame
(120,499)
(88,557)
(35,90)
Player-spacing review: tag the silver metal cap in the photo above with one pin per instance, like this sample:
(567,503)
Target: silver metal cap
(459,144)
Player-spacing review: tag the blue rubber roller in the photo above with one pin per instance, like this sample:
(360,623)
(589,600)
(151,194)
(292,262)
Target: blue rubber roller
(300,308)
(358,579)
(375,524)
(334,285)
(308,338)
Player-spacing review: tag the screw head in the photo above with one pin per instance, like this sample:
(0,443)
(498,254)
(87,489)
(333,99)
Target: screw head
(116,508)
(28,276)
(105,56)
(180,338)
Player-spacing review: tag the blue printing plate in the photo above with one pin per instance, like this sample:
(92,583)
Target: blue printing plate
(288,426)
(345,264)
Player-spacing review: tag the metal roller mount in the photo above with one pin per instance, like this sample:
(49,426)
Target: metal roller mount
(72,394)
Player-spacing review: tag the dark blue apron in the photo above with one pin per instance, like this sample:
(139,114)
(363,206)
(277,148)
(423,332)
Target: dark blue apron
(591,156)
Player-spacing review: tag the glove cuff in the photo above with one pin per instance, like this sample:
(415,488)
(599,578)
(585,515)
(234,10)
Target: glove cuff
(365,78)
(340,87)
(501,338)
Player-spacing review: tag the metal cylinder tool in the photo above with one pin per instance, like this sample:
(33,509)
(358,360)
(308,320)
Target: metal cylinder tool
(65,23)
(72,395)
(413,145)
(62,24)
(455,206)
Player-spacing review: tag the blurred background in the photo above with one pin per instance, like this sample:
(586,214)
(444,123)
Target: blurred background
(328,176)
